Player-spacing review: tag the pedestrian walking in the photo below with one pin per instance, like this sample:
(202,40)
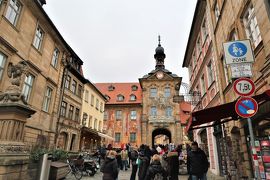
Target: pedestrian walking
(128,148)
(133,157)
(173,165)
(110,168)
(124,157)
(155,170)
(143,163)
(197,163)
(119,159)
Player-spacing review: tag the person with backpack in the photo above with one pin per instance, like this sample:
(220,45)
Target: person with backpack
(133,157)
(155,170)
(197,163)
(109,168)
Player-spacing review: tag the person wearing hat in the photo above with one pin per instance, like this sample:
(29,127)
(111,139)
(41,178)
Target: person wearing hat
(110,167)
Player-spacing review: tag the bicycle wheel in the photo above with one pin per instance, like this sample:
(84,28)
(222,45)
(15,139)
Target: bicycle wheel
(78,173)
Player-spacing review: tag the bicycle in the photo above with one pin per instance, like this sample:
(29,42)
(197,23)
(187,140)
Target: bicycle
(75,170)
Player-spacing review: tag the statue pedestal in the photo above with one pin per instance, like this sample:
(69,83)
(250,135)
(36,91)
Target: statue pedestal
(14,155)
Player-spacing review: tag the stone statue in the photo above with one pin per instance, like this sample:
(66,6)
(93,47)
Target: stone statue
(14,92)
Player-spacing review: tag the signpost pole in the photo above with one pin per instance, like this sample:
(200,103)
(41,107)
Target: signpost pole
(254,152)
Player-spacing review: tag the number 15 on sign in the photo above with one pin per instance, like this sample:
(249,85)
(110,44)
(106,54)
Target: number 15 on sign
(244,87)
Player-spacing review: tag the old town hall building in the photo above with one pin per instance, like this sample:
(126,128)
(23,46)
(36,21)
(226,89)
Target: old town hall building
(138,112)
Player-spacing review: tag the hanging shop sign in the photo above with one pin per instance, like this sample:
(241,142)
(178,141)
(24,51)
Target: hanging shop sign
(238,52)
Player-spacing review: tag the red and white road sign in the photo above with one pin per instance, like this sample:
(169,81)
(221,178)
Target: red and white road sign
(244,86)
(246,107)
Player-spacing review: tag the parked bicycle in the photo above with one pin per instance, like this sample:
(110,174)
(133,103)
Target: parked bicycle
(74,169)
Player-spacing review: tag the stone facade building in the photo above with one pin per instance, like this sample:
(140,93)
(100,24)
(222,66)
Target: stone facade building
(27,33)
(230,21)
(122,115)
(92,118)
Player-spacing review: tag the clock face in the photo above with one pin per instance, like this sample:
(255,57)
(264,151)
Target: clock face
(159,75)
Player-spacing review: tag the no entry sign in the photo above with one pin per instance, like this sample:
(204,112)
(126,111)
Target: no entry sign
(246,107)
(244,86)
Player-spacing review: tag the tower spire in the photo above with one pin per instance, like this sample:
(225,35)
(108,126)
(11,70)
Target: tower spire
(159,55)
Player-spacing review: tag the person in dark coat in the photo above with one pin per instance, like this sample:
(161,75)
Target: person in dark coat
(110,167)
(155,169)
(144,162)
(173,165)
(133,157)
(119,159)
(197,163)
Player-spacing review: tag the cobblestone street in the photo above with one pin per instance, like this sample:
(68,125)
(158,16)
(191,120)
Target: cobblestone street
(123,175)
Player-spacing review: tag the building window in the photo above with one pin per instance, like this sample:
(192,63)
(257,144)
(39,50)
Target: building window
(27,87)
(38,38)
(132,137)
(92,100)
(153,111)
(217,12)
(47,99)
(67,83)
(2,64)
(70,112)
(118,115)
(120,97)
(133,115)
(77,115)
(199,45)
(167,92)
(153,92)
(132,97)
(63,109)
(95,124)
(210,73)
(204,30)
(80,89)
(101,107)
(55,58)
(226,71)
(97,103)
(99,126)
(168,112)
(251,26)
(111,88)
(13,11)
(117,137)
(194,59)
(134,88)
(90,121)
(106,115)
(86,96)
(74,86)
(203,85)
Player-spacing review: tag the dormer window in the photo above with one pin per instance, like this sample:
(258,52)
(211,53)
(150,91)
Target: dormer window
(107,97)
(134,88)
(120,97)
(132,97)
(111,88)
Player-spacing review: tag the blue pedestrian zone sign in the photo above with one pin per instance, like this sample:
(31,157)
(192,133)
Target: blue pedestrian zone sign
(238,52)
(246,107)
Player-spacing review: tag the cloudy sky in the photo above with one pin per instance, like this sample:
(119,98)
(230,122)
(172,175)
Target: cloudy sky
(116,39)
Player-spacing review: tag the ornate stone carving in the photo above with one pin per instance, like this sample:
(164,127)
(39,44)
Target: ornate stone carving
(14,149)
(14,92)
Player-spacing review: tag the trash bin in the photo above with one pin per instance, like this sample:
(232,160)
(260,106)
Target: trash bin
(45,167)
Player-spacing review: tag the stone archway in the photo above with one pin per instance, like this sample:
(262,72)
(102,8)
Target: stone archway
(161,131)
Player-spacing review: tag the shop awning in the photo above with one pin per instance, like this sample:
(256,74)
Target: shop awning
(224,113)
(105,136)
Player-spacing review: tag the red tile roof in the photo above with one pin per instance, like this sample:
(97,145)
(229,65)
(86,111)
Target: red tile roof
(124,89)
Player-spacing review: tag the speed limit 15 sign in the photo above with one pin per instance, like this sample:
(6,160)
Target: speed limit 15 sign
(244,86)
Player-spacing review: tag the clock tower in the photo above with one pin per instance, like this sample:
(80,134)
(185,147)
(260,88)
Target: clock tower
(160,114)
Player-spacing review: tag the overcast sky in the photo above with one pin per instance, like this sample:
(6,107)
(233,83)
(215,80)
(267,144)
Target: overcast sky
(116,39)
